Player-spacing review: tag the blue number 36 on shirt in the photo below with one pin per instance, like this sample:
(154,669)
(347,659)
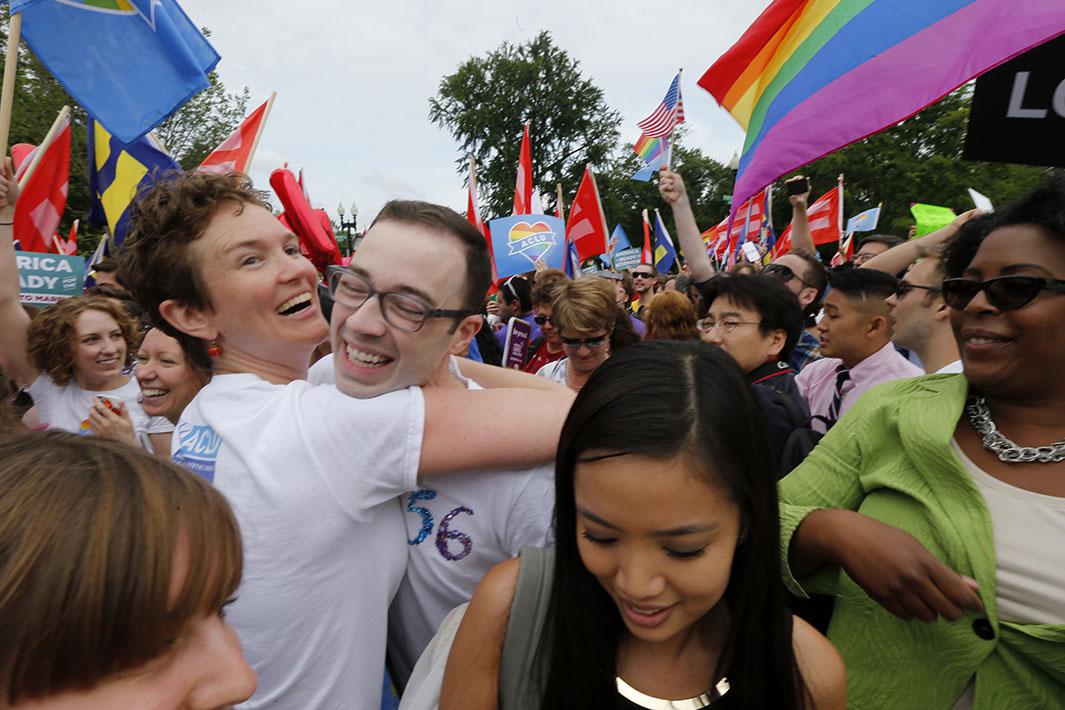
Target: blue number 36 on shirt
(444,535)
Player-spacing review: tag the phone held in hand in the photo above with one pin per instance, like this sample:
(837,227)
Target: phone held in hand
(797,186)
(115,404)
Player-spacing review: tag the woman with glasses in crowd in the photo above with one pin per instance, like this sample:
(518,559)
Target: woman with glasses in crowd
(586,316)
(548,347)
(74,357)
(664,590)
(943,497)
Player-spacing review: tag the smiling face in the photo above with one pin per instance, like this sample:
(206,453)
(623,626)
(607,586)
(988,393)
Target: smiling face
(659,538)
(168,383)
(262,291)
(1009,353)
(373,357)
(99,350)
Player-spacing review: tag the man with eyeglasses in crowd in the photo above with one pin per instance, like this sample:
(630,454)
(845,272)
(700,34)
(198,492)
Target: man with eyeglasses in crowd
(457,526)
(799,270)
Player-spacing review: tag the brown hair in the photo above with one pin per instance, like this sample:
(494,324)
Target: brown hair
(426,214)
(671,316)
(548,282)
(155,260)
(90,534)
(52,335)
(585,306)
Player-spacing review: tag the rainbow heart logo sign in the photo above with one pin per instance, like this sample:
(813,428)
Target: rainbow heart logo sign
(519,241)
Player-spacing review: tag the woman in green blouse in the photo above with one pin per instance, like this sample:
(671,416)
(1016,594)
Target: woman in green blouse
(941,499)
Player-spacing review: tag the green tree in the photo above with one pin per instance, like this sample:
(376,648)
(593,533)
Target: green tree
(918,160)
(485,103)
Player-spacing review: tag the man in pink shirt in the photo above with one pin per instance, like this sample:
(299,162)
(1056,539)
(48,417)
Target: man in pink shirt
(855,335)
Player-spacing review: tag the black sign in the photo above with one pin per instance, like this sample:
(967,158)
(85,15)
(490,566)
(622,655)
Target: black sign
(1018,111)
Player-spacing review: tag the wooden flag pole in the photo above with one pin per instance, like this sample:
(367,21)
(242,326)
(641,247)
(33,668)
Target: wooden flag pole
(561,205)
(259,133)
(49,138)
(7,95)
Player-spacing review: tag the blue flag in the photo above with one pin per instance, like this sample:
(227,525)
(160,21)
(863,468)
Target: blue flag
(117,172)
(619,240)
(130,63)
(864,222)
(665,254)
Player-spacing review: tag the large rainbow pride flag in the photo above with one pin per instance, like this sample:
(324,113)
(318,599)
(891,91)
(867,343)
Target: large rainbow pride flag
(811,76)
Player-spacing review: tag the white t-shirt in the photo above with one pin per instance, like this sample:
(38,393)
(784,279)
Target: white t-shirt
(313,477)
(457,529)
(555,371)
(67,407)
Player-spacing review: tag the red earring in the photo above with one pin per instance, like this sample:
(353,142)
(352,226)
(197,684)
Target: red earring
(214,349)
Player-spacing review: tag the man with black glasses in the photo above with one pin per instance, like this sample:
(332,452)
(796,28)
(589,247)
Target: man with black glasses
(921,320)
(644,282)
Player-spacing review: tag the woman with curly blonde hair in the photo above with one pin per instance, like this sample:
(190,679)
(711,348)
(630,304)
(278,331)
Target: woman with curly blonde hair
(73,357)
(671,316)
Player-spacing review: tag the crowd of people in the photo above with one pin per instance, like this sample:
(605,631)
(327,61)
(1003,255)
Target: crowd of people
(227,479)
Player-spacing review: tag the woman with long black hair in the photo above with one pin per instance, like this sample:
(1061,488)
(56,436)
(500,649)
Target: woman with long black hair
(665,587)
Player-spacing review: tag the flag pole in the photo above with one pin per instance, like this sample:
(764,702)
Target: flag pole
(669,150)
(262,127)
(49,138)
(7,95)
(560,205)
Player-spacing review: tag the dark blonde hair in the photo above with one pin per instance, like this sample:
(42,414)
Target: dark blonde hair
(585,306)
(91,535)
(52,335)
(155,260)
(671,316)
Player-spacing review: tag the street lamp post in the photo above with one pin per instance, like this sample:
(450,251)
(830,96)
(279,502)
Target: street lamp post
(350,227)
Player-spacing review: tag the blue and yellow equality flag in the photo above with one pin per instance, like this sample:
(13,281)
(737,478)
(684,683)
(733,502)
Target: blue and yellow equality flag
(130,63)
(116,172)
(665,253)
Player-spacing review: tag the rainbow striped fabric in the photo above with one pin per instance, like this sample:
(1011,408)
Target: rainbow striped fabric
(811,76)
(650,148)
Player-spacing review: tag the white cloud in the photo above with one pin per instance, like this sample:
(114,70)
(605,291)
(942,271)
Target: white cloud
(354,78)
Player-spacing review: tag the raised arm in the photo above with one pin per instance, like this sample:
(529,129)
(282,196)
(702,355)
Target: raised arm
(491,429)
(493,376)
(689,239)
(901,256)
(801,239)
(13,320)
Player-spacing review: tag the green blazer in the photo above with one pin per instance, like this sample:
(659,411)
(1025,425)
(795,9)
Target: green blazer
(890,458)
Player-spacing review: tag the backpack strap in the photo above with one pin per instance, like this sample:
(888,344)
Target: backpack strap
(528,613)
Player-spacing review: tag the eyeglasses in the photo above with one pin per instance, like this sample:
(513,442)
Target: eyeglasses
(401,310)
(708,324)
(591,343)
(905,287)
(1006,293)
(783,274)
(642,275)
(540,320)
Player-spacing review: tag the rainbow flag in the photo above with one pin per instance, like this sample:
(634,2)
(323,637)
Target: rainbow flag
(652,152)
(811,76)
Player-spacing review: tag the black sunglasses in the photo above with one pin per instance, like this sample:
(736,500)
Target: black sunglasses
(642,275)
(592,343)
(905,287)
(782,273)
(540,320)
(1006,293)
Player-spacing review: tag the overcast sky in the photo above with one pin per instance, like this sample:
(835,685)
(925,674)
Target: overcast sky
(353,79)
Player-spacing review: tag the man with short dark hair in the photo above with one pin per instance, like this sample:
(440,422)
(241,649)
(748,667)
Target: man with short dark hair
(516,302)
(644,282)
(757,321)
(921,320)
(855,344)
(106,272)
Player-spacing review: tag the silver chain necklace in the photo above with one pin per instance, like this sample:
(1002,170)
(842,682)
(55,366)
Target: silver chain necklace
(993,440)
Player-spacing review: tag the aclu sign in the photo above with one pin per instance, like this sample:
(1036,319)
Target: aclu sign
(1018,111)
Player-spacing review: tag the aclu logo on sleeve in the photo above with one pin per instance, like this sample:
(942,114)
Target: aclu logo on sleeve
(197,449)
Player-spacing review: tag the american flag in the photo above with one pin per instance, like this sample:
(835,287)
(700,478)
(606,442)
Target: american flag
(668,114)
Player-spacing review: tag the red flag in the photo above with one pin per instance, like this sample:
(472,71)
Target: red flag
(586,227)
(312,226)
(43,195)
(646,255)
(473,213)
(69,246)
(523,187)
(825,222)
(235,152)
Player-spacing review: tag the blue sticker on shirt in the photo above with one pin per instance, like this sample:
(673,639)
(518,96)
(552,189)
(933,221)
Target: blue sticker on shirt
(198,449)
